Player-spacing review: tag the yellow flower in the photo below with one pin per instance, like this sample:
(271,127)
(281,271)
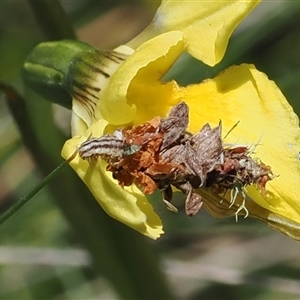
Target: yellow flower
(135,94)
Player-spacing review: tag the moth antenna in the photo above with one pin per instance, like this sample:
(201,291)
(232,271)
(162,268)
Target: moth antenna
(230,130)
(220,127)
(255,145)
(72,156)
(89,137)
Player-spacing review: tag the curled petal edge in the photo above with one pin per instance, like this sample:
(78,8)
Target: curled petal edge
(127,205)
(206,25)
(141,72)
(219,208)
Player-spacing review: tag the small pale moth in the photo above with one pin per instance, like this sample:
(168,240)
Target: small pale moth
(104,146)
(112,146)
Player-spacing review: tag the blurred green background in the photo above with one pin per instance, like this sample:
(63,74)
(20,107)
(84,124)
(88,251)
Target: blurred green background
(61,245)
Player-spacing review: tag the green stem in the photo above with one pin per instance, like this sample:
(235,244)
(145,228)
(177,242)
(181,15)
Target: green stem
(13,209)
(52,19)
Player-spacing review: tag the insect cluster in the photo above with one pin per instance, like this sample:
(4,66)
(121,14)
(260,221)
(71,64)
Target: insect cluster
(160,154)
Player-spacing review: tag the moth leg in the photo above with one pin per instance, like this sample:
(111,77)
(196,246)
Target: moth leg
(233,194)
(167,194)
(188,188)
(193,201)
(193,204)
(242,207)
(223,196)
(170,206)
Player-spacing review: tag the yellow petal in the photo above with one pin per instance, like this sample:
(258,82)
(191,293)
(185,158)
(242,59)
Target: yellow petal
(221,209)
(89,74)
(244,94)
(206,25)
(129,205)
(78,123)
(135,93)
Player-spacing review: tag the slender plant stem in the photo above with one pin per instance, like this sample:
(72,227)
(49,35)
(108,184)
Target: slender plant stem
(52,19)
(14,208)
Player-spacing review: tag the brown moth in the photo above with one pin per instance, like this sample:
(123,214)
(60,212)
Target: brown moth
(161,154)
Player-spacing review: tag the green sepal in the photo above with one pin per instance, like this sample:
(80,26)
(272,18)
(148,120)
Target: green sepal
(46,69)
